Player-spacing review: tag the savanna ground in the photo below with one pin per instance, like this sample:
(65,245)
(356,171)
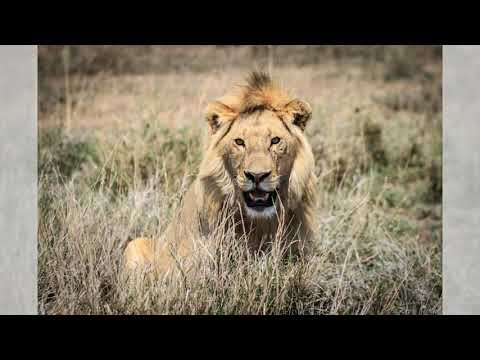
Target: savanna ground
(121,132)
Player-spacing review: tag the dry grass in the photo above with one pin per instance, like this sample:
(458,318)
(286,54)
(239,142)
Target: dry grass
(134,144)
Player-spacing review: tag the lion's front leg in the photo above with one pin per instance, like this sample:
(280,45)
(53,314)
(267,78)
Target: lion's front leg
(139,253)
(144,253)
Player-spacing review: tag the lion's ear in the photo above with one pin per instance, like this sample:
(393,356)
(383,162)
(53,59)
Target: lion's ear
(217,114)
(300,112)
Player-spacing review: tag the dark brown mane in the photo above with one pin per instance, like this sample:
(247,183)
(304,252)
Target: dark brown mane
(258,80)
(259,93)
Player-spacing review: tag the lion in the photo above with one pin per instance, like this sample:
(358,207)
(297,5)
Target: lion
(258,165)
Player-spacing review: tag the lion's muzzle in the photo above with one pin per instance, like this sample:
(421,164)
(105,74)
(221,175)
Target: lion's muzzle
(259,192)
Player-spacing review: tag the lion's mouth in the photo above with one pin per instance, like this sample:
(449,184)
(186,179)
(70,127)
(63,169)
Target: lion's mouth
(259,200)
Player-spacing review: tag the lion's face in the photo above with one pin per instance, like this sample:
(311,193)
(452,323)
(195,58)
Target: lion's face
(259,153)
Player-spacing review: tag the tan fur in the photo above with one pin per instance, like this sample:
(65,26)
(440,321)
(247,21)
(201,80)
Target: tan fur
(255,112)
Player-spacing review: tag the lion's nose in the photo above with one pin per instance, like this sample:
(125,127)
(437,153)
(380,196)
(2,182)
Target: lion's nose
(257,177)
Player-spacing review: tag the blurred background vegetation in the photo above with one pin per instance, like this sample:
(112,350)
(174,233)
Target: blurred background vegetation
(403,61)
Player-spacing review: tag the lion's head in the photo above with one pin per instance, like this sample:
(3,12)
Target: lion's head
(258,155)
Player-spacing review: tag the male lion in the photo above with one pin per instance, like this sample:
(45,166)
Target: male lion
(258,165)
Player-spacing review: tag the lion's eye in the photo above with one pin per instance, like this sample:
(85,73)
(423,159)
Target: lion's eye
(239,142)
(275,140)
